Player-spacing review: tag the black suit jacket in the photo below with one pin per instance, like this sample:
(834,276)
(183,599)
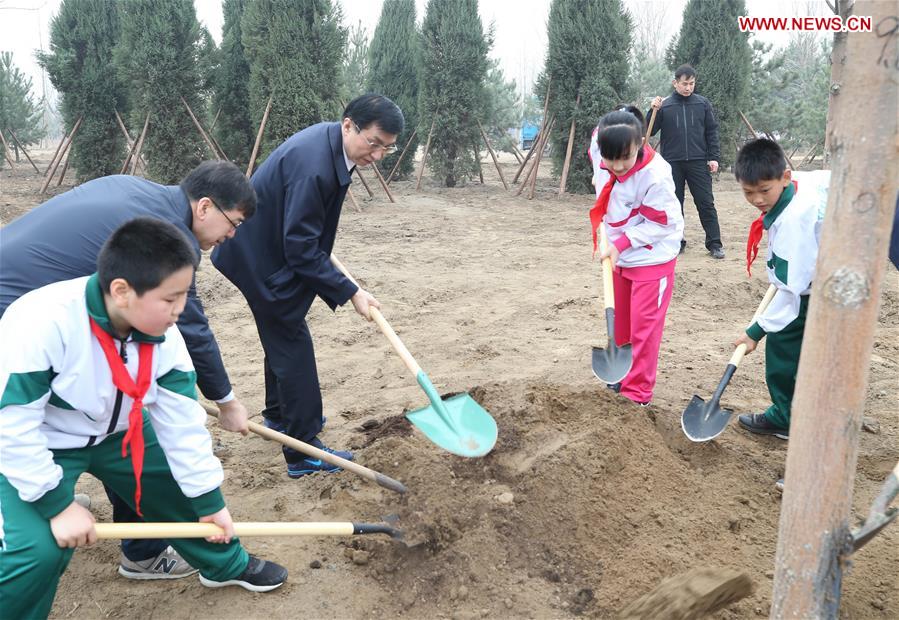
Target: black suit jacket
(279,258)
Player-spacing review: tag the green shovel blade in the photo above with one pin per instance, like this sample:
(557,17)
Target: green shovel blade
(458,424)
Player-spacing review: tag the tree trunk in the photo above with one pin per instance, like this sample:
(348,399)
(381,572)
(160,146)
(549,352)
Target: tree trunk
(837,63)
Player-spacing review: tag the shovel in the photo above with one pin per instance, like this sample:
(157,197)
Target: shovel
(702,420)
(879,516)
(300,446)
(612,363)
(203,530)
(458,424)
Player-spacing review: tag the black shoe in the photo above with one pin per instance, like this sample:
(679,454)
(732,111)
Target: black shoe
(717,252)
(759,423)
(683,246)
(615,387)
(258,576)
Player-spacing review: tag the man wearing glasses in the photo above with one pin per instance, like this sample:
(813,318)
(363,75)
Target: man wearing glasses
(61,239)
(281,260)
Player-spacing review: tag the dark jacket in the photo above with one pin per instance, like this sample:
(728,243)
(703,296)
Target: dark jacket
(689,128)
(61,239)
(281,258)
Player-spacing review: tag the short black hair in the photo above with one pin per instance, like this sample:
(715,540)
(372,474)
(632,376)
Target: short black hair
(760,160)
(371,108)
(144,252)
(224,183)
(685,71)
(618,133)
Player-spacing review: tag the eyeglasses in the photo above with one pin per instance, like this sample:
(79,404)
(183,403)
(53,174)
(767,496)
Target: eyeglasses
(390,148)
(222,211)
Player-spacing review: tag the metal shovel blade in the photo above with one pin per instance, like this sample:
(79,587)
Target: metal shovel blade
(458,424)
(612,363)
(703,421)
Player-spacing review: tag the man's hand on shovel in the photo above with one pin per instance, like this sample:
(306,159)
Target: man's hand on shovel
(362,300)
(749,342)
(233,416)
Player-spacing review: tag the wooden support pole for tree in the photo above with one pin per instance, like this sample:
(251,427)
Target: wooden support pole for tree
(51,170)
(374,166)
(371,194)
(477,160)
(543,124)
(814,538)
(349,193)
(7,152)
(65,166)
(539,158)
(21,146)
(530,154)
(540,143)
(56,153)
(255,152)
(748,126)
(140,144)
(424,156)
(212,146)
(517,153)
(215,120)
(568,151)
(493,156)
(128,140)
(399,159)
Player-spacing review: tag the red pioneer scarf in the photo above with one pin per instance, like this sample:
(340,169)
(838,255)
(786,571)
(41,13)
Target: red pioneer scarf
(134,437)
(752,242)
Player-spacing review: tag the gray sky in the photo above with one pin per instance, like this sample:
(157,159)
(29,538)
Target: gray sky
(520,27)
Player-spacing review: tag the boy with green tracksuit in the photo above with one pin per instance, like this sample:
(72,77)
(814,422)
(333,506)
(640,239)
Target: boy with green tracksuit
(792,208)
(91,370)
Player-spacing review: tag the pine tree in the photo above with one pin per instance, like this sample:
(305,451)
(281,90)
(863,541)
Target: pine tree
(355,62)
(157,59)
(234,129)
(454,68)
(82,37)
(501,108)
(587,55)
(393,72)
(18,111)
(295,50)
(721,55)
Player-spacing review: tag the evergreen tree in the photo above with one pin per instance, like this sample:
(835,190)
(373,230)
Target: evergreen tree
(234,129)
(720,53)
(454,68)
(295,51)
(501,108)
(587,55)
(157,59)
(82,37)
(18,111)
(355,62)
(393,72)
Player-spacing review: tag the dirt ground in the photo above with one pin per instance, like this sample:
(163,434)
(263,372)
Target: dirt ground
(586,502)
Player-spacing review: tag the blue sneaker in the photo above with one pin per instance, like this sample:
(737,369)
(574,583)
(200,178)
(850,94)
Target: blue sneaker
(310,465)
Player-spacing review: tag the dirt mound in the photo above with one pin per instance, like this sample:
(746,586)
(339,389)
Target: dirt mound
(690,596)
(581,487)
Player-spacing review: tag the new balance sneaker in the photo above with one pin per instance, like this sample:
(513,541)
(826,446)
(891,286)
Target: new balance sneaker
(166,565)
(717,252)
(615,387)
(779,486)
(759,423)
(258,576)
(310,465)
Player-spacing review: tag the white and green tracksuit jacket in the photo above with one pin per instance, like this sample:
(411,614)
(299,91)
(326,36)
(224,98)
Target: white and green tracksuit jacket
(56,392)
(794,232)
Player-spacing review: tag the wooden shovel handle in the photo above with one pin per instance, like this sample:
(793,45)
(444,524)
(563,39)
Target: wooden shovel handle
(740,351)
(202,530)
(608,293)
(386,329)
(300,446)
(652,120)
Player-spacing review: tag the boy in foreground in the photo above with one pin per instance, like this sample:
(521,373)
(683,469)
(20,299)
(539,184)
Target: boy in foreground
(94,369)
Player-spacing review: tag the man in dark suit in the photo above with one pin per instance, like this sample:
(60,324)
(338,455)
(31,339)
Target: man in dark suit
(281,259)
